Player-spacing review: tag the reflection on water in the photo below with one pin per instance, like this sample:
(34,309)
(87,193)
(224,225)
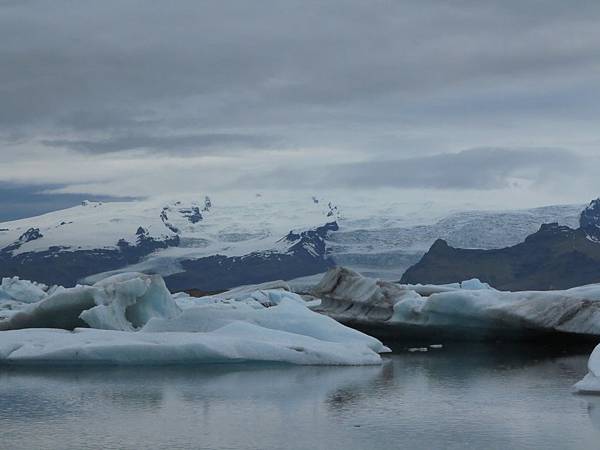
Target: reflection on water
(454,398)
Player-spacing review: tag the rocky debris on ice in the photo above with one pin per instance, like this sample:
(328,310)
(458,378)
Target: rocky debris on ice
(467,310)
(135,320)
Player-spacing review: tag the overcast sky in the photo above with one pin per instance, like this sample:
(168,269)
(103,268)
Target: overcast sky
(482,99)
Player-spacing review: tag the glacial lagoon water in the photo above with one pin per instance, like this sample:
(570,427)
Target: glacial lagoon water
(461,396)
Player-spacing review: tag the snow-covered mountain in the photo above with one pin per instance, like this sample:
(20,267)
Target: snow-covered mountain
(216,243)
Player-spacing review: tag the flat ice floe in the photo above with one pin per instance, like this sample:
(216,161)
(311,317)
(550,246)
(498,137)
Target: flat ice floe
(134,320)
(467,310)
(235,342)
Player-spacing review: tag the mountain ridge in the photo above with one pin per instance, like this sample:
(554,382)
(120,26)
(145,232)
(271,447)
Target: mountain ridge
(554,257)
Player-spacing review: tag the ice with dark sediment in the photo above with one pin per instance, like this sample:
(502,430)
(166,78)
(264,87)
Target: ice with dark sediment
(467,309)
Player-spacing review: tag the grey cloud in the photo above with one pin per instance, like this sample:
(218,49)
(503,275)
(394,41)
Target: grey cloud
(481,169)
(233,64)
(382,80)
(177,144)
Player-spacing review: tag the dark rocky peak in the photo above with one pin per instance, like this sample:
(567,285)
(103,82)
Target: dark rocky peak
(439,245)
(30,235)
(315,200)
(589,221)
(550,230)
(207,204)
(192,214)
(89,203)
(142,235)
(145,244)
(311,241)
(319,232)
(165,219)
(333,210)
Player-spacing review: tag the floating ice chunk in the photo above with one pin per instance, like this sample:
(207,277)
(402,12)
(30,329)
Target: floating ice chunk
(122,302)
(60,310)
(21,290)
(436,346)
(418,349)
(591,382)
(474,285)
(236,342)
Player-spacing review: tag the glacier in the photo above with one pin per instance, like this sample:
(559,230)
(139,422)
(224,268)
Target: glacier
(132,319)
(470,310)
(238,239)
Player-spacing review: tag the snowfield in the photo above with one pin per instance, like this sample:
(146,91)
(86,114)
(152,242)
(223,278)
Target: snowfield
(133,319)
(377,235)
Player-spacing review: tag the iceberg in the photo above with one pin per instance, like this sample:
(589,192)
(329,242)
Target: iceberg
(16,294)
(132,319)
(591,382)
(287,315)
(128,301)
(234,343)
(22,290)
(469,310)
(122,302)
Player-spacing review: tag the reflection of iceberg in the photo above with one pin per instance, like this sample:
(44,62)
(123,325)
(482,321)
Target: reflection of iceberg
(48,393)
(135,320)
(593,409)
(467,310)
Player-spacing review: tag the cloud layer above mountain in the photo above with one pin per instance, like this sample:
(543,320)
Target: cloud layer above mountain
(143,98)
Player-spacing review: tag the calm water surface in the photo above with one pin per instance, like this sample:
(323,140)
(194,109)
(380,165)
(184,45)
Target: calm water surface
(458,397)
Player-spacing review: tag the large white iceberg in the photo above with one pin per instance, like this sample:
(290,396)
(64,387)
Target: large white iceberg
(236,342)
(591,382)
(467,310)
(133,319)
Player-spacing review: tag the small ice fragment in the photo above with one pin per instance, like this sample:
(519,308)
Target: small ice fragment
(436,346)
(418,349)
